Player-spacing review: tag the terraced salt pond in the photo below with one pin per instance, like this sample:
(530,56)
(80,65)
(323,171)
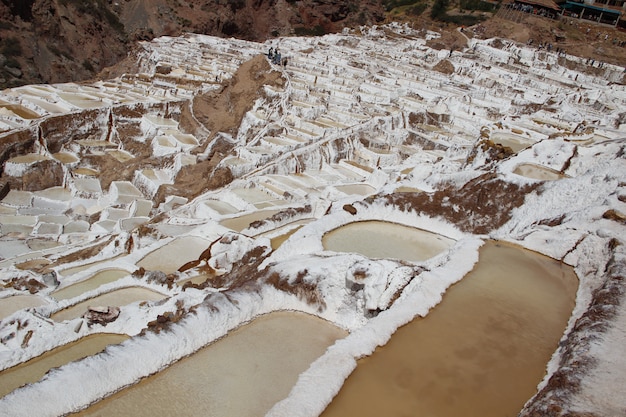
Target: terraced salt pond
(9,305)
(480,352)
(243,374)
(100,278)
(243,222)
(35,369)
(175,254)
(537,172)
(381,239)
(116,298)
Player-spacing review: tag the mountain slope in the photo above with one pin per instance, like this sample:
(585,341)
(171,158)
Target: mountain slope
(50,41)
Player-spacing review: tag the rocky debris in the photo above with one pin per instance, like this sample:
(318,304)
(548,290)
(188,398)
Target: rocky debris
(101,315)
(31,285)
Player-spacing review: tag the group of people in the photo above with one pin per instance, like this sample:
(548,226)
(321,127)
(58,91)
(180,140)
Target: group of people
(274,56)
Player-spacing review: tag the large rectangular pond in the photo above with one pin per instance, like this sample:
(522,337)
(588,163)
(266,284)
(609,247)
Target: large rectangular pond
(481,352)
(243,374)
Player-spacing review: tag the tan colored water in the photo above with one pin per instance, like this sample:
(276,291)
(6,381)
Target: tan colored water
(65,157)
(73,270)
(175,254)
(243,374)
(380,239)
(86,171)
(98,279)
(512,140)
(537,172)
(35,369)
(481,352)
(360,189)
(116,298)
(20,111)
(243,222)
(275,242)
(28,158)
(9,305)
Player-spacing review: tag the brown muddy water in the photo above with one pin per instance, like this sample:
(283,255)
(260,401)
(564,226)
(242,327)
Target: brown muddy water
(480,352)
(243,374)
(380,239)
(34,369)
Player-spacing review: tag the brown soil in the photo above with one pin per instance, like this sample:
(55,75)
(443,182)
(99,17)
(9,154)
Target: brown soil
(578,38)
(220,111)
(479,206)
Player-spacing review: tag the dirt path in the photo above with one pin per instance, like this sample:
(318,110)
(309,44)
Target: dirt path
(221,111)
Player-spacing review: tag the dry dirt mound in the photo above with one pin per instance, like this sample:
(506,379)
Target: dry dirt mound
(220,111)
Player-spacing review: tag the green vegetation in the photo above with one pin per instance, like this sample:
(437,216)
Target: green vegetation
(438,11)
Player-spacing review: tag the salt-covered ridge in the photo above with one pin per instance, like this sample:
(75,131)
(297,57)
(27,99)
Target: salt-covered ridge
(360,113)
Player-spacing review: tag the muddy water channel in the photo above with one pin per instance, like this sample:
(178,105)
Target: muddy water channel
(480,352)
(35,369)
(243,374)
(380,239)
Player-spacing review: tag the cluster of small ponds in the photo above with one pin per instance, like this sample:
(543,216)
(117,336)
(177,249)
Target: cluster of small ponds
(482,350)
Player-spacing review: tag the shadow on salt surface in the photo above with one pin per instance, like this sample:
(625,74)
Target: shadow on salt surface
(103,277)
(34,369)
(538,172)
(385,240)
(115,298)
(170,257)
(9,305)
(242,374)
(480,353)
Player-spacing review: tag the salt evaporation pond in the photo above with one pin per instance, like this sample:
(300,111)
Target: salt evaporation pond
(34,369)
(243,222)
(537,172)
(98,279)
(358,189)
(511,140)
(481,352)
(380,239)
(116,298)
(9,305)
(242,374)
(170,257)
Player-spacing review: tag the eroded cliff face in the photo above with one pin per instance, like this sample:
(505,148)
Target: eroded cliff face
(51,41)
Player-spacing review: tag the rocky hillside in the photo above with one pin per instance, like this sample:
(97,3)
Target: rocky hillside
(49,41)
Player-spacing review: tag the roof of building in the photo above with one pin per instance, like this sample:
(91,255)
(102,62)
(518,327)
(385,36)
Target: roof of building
(548,4)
